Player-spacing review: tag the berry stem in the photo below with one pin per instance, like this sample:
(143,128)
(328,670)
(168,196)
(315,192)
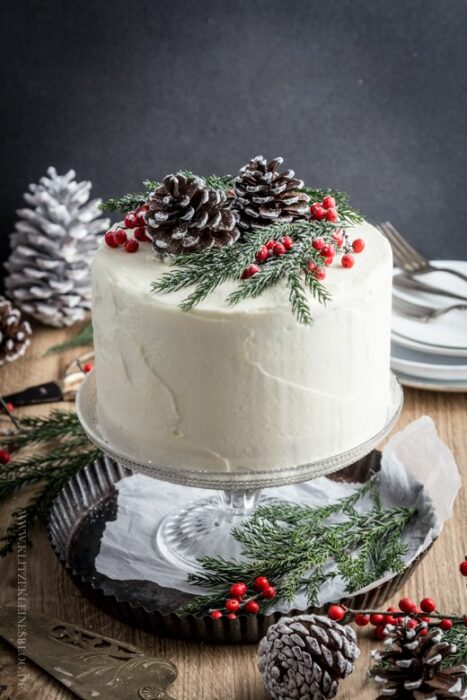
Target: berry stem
(414,615)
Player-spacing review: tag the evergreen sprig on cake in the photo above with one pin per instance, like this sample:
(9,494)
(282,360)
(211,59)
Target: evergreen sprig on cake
(260,228)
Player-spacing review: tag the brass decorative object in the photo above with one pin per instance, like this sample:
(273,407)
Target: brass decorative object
(88,664)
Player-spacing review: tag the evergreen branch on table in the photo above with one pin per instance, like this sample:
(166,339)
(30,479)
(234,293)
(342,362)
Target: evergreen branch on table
(300,548)
(62,450)
(83,337)
(457,635)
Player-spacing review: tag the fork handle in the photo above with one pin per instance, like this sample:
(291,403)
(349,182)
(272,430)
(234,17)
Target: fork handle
(435,268)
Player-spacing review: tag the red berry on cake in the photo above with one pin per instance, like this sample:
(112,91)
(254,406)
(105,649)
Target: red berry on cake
(358,245)
(329,202)
(317,211)
(250,271)
(287,242)
(328,251)
(329,260)
(120,236)
(311,265)
(262,254)
(131,246)
(319,273)
(347,260)
(279,249)
(109,238)
(130,220)
(140,234)
(270,244)
(252,607)
(318,243)
(332,215)
(338,238)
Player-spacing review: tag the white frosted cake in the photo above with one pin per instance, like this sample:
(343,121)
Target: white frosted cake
(243,387)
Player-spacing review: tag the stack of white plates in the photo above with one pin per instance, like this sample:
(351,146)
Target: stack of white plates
(432,354)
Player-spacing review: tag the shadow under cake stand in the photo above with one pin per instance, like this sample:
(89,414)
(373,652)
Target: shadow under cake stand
(204,526)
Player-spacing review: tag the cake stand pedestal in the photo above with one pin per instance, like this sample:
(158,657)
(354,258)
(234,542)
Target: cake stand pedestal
(204,527)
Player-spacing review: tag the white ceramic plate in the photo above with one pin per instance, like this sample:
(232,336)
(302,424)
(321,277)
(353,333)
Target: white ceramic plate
(447,333)
(426,366)
(431,384)
(426,347)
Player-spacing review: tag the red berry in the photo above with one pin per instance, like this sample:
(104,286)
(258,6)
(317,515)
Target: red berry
(338,238)
(318,243)
(270,244)
(88,367)
(407,605)
(10,407)
(411,624)
(238,590)
(287,242)
(261,583)
(390,620)
(140,220)
(376,619)
(336,612)
(329,202)
(380,633)
(232,605)
(428,605)
(311,265)
(131,246)
(319,273)
(465,621)
(347,260)
(109,238)
(262,254)
(463,568)
(120,236)
(250,271)
(252,607)
(423,632)
(358,245)
(317,211)
(361,620)
(5,457)
(425,619)
(269,592)
(332,215)
(328,250)
(131,220)
(329,260)
(445,624)
(279,249)
(232,616)
(216,614)
(140,234)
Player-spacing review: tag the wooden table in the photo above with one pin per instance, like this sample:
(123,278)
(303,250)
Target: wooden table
(213,672)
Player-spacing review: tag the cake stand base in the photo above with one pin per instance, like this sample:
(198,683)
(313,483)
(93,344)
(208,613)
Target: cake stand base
(204,528)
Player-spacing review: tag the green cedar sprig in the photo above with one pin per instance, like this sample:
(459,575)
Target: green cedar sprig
(299,548)
(83,337)
(63,450)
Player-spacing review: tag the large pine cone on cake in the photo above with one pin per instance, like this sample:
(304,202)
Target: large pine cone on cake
(413,667)
(186,216)
(14,332)
(266,196)
(306,656)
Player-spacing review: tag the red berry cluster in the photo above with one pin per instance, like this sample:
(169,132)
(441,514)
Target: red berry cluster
(5,456)
(270,249)
(134,221)
(239,601)
(325,210)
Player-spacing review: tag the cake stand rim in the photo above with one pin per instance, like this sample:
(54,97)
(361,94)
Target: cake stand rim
(86,409)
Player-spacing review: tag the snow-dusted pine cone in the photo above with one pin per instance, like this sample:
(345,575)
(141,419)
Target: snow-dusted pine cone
(304,657)
(266,196)
(186,216)
(411,668)
(14,332)
(52,247)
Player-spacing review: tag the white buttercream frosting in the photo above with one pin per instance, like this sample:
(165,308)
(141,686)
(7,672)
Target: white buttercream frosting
(243,387)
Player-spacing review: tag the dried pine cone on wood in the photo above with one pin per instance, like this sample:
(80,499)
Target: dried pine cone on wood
(304,657)
(412,667)
(186,216)
(266,196)
(14,332)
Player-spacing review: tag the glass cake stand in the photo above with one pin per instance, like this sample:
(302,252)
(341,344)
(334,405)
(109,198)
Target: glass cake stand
(203,527)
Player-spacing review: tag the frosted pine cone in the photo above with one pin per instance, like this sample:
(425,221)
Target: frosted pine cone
(304,657)
(14,332)
(186,216)
(265,196)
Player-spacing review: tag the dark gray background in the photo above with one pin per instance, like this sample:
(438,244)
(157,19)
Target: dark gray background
(367,96)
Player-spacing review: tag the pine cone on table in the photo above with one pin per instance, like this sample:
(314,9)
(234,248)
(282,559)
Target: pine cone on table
(265,196)
(186,216)
(305,656)
(411,668)
(14,332)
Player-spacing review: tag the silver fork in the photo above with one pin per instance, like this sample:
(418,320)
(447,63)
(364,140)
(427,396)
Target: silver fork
(420,312)
(409,259)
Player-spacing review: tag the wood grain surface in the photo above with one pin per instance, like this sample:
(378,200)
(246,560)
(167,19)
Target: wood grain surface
(211,672)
